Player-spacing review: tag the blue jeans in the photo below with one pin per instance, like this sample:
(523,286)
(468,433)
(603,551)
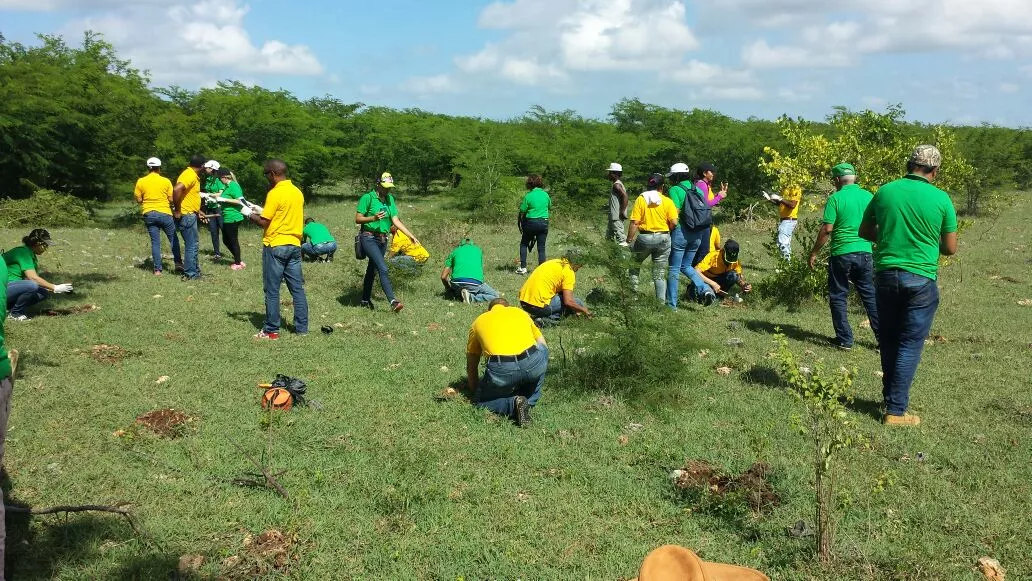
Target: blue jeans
(685,245)
(187,226)
(551,313)
(785,230)
(727,281)
(283,264)
(704,248)
(22,294)
(504,380)
(906,305)
(214,226)
(320,249)
(157,223)
(856,268)
(657,246)
(479,292)
(374,248)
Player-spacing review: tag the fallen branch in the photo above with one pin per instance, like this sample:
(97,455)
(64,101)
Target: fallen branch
(119,509)
(270,480)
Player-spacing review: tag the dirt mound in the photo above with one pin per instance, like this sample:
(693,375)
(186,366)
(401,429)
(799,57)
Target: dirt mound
(167,423)
(752,485)
(76,310)
(271,551)
(110,354)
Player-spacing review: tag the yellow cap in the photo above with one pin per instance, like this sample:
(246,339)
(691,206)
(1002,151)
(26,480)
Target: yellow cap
(386,180)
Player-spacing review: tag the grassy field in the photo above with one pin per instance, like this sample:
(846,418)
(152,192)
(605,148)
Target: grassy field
(386,483)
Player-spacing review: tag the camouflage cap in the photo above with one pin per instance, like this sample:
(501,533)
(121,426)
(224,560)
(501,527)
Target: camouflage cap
(926,155)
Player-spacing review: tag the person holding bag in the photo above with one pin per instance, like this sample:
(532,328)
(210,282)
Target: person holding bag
(376,213)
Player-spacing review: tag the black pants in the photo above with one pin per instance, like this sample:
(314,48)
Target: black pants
(534,229)
(230,237)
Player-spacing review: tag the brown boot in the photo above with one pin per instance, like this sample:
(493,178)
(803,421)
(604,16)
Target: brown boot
(903,420)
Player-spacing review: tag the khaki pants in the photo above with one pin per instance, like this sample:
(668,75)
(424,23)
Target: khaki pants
(6,387)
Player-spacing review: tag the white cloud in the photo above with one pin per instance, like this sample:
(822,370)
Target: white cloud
(1008,88)
(761,55)
(424,86)
(731,93)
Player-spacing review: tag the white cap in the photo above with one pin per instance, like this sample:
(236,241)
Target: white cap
(615,167)
(678,168)
(212,164)
(153,162)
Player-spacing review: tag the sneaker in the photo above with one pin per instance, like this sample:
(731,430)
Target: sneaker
(367,305)
(708,299)
(157,273)
(624,243)
(185,278)
(216,258)
(237,266)
(18,318)
(178,268)
(903,420)
(465,296)
(521,270)
(329,257)
(841,346)
(396,306)
(521,411)
(736,298)
(270,336)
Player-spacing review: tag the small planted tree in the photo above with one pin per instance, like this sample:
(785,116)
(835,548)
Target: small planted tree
(830,429)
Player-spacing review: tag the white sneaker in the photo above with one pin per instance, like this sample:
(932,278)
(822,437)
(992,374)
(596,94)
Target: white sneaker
(18,318)
(521,270)
(624,243)
(465,296)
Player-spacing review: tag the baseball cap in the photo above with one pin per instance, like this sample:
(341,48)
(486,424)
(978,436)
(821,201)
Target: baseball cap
(731,251)
(386,180)
(615,167)
(678,168)
(153,162)
(705,167)
(212,164)
(843,169)
(38,235)
(926,155)
(656,180)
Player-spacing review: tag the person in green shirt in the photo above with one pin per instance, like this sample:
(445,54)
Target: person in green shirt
(316,241)
(912,222)
(850,260)
(212,186)
(25,287)
(532,220)
(229,203)
(375,214)
(463,274)
(8,365)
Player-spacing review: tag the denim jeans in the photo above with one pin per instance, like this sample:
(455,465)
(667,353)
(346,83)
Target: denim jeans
(157,223)
(533,229)
(374,249)
(684,246)
(727,281)
(785,230)
(906,306)
(187,226)
(320,249)
(704,248)
(214,227)
(504,380)
(551,313)
(479,292)
(22,294)
(283,264)
(656,245)
(407,263)
(856,268)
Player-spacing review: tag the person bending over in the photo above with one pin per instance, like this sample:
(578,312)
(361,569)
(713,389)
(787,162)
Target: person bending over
(317,242)
(25,287)
(463,274)
(721,270)
(547,295)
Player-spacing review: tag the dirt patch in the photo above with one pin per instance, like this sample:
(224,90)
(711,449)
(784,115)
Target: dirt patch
(270,552)
(752,486)
(76,310)
(167,423)
(110,354)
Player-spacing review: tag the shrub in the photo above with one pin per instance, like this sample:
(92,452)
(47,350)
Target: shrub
(793,283)
(45,208)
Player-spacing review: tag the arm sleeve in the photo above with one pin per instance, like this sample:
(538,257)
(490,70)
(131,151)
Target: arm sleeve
(569,279)
(830,211)
(137,192)
(473,346)
(949,219)
(450,261)
(271,205)
(363,205)
(524,206)
(638,210)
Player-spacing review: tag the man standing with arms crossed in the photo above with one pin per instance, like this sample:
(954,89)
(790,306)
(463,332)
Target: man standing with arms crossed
(283,222)
(186,204)
(850,259)
(912,222)
(617,205)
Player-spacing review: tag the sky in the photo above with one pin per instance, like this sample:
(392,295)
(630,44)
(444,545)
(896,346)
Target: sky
(954,61)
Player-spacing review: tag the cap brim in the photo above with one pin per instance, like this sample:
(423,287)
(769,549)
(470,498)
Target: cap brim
(386,185)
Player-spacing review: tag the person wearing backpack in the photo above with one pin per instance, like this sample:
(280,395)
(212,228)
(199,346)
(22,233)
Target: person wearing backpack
(692,232)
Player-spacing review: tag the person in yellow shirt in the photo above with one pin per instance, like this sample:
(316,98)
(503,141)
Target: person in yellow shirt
(652,218)
(548,293)
(721,270)
(404,252)
(186,205)
(714,241)
(282,218)
(154,194)
(788,211)
(517,360)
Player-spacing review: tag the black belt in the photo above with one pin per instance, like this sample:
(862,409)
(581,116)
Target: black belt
(512,358)
(790,219)
(380,235)
(654,231)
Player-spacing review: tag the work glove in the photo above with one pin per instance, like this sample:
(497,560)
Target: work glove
(247,211)
(256,209)
(63,288)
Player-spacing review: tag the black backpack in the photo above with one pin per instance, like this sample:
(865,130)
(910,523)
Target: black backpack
(695,213)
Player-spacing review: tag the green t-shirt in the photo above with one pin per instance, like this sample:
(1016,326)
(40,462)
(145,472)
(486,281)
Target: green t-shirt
(535,204)
(370,205)
(466,261)
(678,193)
(213,185)
(316,233)
(912,215)
(230,212)
(5,363)
(844,211)
(18,261)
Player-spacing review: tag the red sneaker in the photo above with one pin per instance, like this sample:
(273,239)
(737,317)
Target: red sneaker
(270,336)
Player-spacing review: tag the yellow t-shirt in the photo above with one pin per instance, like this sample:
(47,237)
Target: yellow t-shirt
(654,218)
(548,280)
(192,200)
(502,331)
(154,192)
(790,193)
(714,265)
(402,244)
(714,239)
(285,211)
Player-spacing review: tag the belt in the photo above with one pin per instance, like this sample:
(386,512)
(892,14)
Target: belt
(373,234)
(654,231)
(790,219)
(513,358)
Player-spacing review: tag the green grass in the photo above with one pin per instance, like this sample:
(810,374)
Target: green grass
(386,483)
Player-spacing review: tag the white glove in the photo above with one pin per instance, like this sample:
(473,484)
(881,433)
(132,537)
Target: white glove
(246,211)
(255,208)
(63,288)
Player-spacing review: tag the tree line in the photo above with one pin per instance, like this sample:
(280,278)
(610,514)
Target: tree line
(80,120)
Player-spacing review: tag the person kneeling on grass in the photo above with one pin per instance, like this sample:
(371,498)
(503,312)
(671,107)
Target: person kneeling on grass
(722,271)
(25,287)
(404,251)
(517,360)
(317,242)
(547,295)
(463,274)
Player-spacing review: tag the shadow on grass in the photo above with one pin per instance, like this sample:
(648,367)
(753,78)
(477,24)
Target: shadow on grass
(791,331)
(762,375)
(94,277)
(351,297)
(255,318)
(866,407)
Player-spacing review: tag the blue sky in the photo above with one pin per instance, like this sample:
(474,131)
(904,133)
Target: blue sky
(956,61)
